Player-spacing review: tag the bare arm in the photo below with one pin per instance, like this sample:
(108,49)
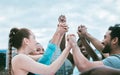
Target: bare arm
(58,35)
(62,22)
(26,64)
(83,32)
(98,45)
(62,28)
(62,19)
(81,62)
(89,49)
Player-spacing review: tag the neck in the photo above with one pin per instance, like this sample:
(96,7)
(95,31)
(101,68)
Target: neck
(115,51)
(23,51)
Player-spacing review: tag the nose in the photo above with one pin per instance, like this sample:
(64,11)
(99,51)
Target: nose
(102,42)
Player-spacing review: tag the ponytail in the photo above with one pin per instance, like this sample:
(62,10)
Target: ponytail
(9,59)
(10,45)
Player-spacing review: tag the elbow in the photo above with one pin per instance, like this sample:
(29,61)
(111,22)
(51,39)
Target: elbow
(51,71)
(83,67)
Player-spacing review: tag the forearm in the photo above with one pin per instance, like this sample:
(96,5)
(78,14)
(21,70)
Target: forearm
(90,50)
(70,58)
(98,45)
(80,61)
(62,43)
(57,37)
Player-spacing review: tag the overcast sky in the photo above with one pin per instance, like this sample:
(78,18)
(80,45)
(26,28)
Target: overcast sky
(41,16)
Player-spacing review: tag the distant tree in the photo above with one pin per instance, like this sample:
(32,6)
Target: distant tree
(2,61)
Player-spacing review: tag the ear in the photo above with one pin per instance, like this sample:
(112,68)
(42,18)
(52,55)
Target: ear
(26,41)
(115,40)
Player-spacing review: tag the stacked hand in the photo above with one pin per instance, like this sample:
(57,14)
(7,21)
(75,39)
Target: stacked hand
(82,31)
(62,26)
(71,39)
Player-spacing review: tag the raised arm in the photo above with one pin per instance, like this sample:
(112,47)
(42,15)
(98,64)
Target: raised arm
(80,60)
(58,35)
(89,49)
(62,19)
(54,43)
(83,32)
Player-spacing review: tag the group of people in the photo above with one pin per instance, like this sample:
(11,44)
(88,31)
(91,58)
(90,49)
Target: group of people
(30,61)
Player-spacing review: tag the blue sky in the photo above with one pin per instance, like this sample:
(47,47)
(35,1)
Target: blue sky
(41,16)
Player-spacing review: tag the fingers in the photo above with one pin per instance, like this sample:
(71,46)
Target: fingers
(62,18)
(63,26)
(71,37)
(82,30)
(81,27)
(71,40)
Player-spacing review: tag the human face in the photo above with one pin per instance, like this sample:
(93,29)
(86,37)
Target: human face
(32,42)
(39,50)
(83,50)
(107,43)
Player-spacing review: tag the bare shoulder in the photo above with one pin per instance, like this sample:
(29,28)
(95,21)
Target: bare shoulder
(19,63)
(20,58)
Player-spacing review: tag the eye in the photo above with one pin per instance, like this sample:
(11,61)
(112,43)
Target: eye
(38,49)
(42,49)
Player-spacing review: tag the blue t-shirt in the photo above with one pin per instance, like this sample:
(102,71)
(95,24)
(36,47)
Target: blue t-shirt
(46,58)
(112,61)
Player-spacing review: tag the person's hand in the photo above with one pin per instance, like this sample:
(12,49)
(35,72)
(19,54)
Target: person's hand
(62,19)
(82,30)
(71,39)
(62,27)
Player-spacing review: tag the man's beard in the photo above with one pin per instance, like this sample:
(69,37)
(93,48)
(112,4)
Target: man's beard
(107,49)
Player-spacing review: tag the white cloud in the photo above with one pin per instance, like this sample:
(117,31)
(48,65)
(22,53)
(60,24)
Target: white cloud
(41,16)
(2,18)
(102,14)
(108,1)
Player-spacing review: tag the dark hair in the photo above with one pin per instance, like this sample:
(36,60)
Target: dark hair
(16,37)
(79,42)
(115,32)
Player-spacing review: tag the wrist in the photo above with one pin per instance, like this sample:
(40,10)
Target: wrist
(59,33)
(86,35)
(89,36)
(74,45)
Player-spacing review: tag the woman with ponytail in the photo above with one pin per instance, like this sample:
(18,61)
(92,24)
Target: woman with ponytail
(24,41)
